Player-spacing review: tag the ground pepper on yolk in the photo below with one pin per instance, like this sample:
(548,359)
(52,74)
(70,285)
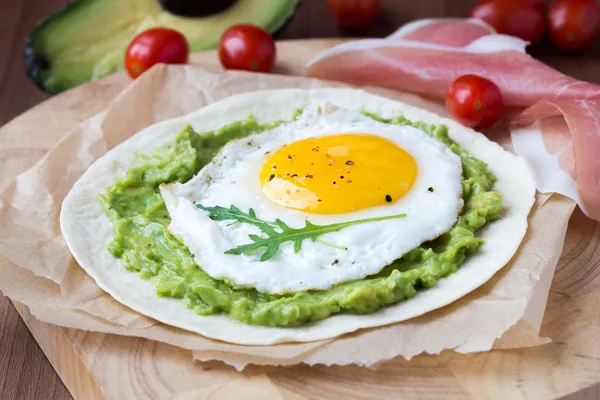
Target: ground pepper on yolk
(338,173)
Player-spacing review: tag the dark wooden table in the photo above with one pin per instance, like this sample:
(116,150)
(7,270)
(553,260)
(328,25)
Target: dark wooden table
(24,371)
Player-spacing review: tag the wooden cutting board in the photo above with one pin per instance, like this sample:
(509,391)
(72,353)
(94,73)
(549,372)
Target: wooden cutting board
(102,366)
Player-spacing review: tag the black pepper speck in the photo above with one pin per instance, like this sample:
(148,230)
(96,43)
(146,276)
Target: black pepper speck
(349,162)
(271,177)
(430,189)
(388,198)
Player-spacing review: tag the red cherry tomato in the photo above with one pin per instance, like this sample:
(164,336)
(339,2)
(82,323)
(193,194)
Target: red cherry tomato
(573,24)
(156,45)
(354,13)
(247,47)
(474,101)
(512,17)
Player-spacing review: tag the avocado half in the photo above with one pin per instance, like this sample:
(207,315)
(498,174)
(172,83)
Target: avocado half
(87,39)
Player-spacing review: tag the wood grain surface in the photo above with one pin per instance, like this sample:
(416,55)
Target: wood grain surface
(24,371)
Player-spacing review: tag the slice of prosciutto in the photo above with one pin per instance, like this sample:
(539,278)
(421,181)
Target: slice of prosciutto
(445,31)
(561,142)
(558,129)
(429,69)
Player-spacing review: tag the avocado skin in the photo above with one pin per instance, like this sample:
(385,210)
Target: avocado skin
(39,63)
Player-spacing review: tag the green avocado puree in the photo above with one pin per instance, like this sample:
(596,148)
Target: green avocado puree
(144,244)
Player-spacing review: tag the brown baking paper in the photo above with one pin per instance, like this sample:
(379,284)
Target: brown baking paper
(37,269)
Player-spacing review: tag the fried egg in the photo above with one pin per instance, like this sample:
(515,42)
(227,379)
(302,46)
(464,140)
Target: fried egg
(328,166)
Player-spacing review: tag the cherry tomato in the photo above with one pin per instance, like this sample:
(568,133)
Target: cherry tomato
(354,13)
(512,17)
(156,45)
(573,24)
(474,101)
(538,3)
(247,47)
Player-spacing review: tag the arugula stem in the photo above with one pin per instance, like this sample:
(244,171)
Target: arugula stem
(335,246)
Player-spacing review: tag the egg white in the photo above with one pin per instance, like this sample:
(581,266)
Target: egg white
(233,178)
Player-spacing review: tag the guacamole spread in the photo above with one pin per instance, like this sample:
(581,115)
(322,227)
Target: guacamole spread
(145,245)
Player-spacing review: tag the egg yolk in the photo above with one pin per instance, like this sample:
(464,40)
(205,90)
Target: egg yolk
(338,173)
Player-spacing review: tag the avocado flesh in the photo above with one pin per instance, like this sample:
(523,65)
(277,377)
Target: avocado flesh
(87,39)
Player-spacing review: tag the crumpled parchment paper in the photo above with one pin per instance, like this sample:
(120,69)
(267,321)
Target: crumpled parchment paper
(37,269)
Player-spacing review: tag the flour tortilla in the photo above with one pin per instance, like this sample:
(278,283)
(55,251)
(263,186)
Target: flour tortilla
(87,230)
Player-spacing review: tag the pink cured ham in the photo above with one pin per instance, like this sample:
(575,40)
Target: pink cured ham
(558,131)
(561,141)
(428,69)
(444,31)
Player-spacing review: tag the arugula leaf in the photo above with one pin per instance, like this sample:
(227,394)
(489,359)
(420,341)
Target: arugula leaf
(233,213)
(284,233)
